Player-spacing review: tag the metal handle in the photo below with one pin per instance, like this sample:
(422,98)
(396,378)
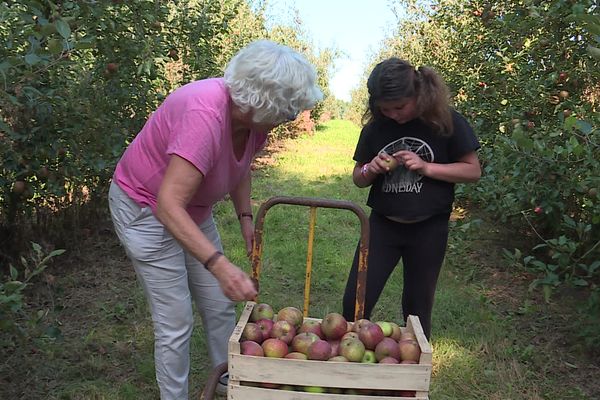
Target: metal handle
(315,203)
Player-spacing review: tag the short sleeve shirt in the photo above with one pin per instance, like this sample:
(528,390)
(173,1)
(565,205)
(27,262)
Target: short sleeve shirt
(193,123)
(403,193)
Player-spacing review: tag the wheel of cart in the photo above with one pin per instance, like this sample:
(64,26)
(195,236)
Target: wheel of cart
(263,378)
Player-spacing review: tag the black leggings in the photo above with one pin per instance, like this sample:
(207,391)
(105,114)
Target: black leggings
(421,246)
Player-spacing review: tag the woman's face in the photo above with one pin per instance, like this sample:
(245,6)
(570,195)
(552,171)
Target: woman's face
(401,111)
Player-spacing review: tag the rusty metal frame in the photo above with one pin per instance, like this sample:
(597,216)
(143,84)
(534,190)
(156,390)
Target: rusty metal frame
(315,203)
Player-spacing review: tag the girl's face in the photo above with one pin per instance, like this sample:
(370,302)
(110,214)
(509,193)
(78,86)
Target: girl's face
(401,111)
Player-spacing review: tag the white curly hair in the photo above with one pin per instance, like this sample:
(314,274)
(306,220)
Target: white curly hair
(273,81)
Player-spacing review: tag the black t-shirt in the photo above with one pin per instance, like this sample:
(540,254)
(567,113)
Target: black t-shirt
(406,194)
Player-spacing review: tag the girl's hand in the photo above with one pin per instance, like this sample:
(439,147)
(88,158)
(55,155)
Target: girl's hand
(412,161)
(382,163)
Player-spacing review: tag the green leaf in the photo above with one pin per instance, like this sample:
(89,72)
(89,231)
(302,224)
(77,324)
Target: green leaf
(593,51)
(584,127)
(55,46)
(14,274)
(32,59)
(63,28)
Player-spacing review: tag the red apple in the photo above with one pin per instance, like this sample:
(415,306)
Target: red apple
(261,311)
(334,326)
(250,348)
(319,350)
(388,347)
(311,325)
(335,347)
(407,335)
(284,331)
(356,326)
(265,326)
(370,335)
(302,341)
(275,348)
(292,315)
(409,350)
(252,332)
(352,349)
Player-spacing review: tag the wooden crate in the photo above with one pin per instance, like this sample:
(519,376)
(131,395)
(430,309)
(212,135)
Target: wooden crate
(246,372)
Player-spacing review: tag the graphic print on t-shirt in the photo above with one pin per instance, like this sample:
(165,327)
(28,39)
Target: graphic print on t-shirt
(401,179)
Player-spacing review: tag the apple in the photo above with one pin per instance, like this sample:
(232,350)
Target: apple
(408,362)
(284,331)
(250,348)
(388,360)
(335,347)
(252,332)
(291,314)
(319,350)
(396,331)
(386,327)
(288,388)
(359,324)
(262,311)
(349,335)
(388,347)
(352,349)
(296,356)
(311,325)
(112,67)
(334,326)
(391,161)
(369,357)
(370,335)
(409,350)
(275,348)
(19,187)
(302,341)
(265,325)
(338,359)
(314,389)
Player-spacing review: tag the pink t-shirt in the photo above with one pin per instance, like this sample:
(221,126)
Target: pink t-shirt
(194,123)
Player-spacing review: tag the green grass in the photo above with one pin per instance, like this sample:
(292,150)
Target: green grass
(490,339)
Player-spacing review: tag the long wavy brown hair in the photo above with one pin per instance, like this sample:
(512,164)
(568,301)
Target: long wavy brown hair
(396,79)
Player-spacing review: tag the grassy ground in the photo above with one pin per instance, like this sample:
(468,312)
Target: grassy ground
(492,339)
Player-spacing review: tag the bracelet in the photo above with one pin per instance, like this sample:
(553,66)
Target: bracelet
(364,170)
(245,214)
(211,260)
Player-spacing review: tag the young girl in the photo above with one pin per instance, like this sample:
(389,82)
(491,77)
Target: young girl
(412,149)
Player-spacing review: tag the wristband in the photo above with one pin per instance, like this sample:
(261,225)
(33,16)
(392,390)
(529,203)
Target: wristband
(211,260)
(245,215)
(364,169)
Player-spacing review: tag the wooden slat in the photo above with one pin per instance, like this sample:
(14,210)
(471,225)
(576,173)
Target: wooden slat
(237,392)
(234,339)
(414,325)
(329,373)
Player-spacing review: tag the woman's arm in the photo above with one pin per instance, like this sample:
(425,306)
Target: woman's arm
(466,169)
(178,186)
(240,196)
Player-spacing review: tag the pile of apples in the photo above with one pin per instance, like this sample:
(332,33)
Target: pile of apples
(288,335)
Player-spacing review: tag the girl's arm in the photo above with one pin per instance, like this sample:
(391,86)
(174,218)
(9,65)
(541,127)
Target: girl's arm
(465,169)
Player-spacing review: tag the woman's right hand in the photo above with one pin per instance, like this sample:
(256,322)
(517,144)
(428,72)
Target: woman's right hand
(236,284)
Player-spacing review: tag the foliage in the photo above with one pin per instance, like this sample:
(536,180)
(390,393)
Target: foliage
(77,82)
(12,290)
(525,73)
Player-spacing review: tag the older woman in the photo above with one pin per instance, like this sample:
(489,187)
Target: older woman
(195,149)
